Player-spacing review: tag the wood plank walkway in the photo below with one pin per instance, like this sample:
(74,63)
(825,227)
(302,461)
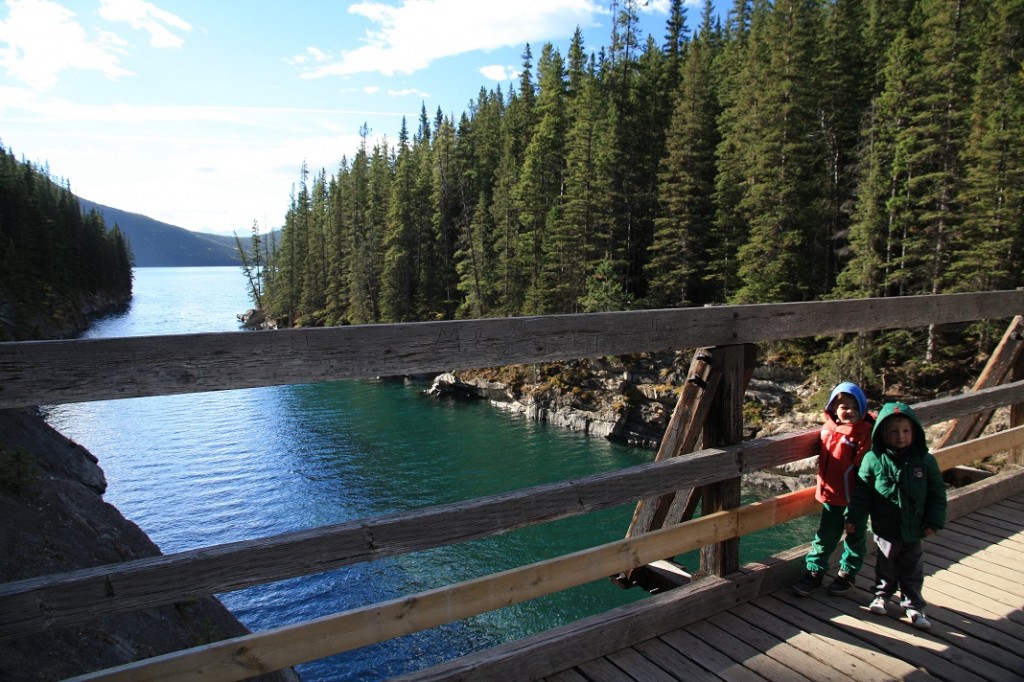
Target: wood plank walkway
(974,585)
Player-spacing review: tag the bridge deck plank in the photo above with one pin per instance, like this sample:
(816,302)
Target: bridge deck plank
(976,605)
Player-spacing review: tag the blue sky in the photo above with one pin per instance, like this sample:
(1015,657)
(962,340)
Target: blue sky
(200,113)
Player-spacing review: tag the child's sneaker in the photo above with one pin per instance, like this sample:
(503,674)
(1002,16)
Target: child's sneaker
(841,585)
(878,605)
(918,619)
(811,582)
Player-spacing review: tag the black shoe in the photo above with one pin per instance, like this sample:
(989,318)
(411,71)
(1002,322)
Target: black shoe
(841,585)
(811,582)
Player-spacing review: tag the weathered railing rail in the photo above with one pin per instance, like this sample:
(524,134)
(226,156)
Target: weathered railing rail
(53,372)
(70,371)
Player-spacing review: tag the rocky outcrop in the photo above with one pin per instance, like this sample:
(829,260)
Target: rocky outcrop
(55,520)
(628,399)
(625,399)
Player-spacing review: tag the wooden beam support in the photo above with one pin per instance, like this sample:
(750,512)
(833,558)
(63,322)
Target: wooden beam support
(681,437)
(1004,363)
(1016,455)
(725,427)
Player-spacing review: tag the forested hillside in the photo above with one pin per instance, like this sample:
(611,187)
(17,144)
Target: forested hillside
(158,244)
(57,265)
(794,150)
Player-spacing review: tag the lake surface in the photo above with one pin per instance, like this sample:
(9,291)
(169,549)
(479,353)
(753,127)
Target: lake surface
(204,469)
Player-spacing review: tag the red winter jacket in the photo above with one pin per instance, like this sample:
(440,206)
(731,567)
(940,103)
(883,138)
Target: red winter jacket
(839,455)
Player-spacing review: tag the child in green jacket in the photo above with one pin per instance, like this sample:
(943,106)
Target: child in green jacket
(900,487)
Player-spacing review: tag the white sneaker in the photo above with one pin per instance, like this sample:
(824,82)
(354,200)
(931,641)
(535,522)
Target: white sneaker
(878,605)
(918,619)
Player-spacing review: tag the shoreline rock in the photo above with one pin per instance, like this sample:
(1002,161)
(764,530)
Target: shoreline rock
(55,520)
(628,400)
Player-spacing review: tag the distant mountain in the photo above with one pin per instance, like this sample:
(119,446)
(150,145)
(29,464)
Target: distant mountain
(158,244)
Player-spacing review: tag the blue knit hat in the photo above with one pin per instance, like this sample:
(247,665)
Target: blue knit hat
(852,389)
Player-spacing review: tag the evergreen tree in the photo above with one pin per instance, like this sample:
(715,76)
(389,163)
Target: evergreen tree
(339,237)
(782,160)
(882,212)
(476,258)
(935,138)
(512,278)
(846,82)
(397,286)
(579,240)
(729,227)
(638,106)
(448,204)
(684,225)
(990,247)
(362,249)
(537,194)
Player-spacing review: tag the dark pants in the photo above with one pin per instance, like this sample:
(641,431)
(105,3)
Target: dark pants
(900,565)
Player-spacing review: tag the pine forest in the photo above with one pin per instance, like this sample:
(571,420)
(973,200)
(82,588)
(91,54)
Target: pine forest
(779,151)
(57,265)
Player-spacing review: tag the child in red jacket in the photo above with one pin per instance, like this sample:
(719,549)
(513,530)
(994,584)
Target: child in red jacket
(845,437)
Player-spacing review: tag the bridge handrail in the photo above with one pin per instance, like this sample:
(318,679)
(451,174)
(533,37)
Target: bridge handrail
(75,597)
(243,656)
(54,372)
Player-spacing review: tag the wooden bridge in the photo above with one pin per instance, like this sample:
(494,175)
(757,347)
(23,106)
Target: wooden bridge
(733,623)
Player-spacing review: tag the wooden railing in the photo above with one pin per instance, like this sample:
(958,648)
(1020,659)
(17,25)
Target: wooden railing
(71,371)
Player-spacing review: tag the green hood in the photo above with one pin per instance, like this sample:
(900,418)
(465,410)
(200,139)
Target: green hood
(903,410)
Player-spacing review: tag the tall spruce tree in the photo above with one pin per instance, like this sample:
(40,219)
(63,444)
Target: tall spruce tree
(538,191)
(845,76)
(729,227)
(476,258)
(935,137)
(987,248)
(684,224)
(339,241)
(585,221)
(448,201)
(513,276)
(782,259)
(397,289)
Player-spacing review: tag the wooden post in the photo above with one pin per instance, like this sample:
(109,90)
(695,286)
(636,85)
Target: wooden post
(1016,455)
(725,427)
(1005,360)
(681,437)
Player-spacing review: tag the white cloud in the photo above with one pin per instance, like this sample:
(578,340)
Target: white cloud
(407,92)
(313,54)
(39,39)
(499,73)
(410,36)
(147,17)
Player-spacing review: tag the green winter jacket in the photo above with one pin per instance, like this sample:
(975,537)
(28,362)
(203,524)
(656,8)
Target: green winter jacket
(903,492)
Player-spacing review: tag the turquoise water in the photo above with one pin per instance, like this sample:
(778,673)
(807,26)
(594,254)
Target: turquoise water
(198,470)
